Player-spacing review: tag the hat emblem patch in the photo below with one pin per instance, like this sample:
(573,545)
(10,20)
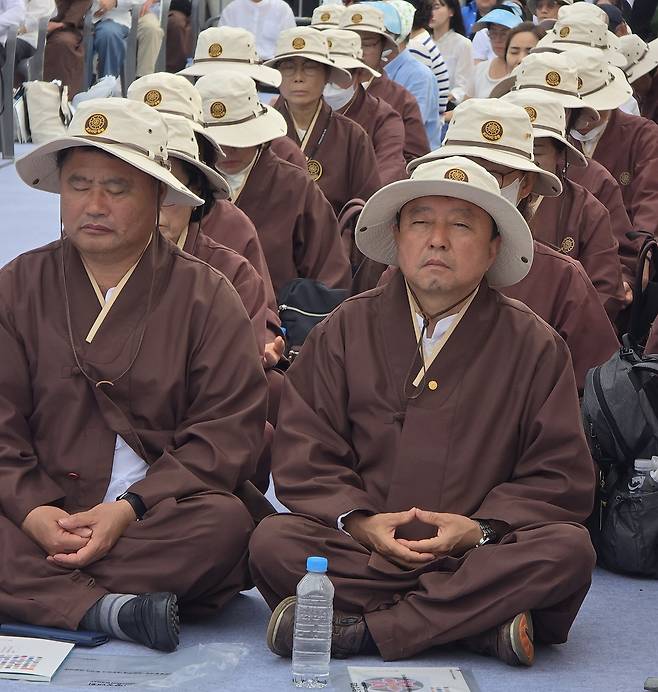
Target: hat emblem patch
(532,113)
(492,130)
(218,110)
(564,31)
(96,124)
(153,98)
(625,178)
(567,245)
(456,174)
(357,18)
(298,43)
(215,50)
(325,17)
(553,78)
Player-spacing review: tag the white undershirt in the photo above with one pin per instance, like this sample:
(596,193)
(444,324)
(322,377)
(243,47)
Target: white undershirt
(127,466)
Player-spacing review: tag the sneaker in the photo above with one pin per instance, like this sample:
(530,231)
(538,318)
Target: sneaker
(511,642)
(348,631)
(152,620)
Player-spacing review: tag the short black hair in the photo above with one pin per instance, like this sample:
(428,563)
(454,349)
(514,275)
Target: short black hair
(199,183)
(422,15)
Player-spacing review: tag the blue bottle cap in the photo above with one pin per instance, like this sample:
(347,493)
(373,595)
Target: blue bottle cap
(317,564)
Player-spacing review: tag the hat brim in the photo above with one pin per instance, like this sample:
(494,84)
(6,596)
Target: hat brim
(509,21)
(201,130)
(264,128)
(259,73)
(546,184)
(39,168)
(347,63)
(219,186)
(361,29)
(565,100)
(574,157)
(375,229)
(648,63)
(552,43)
(322,26)
(336,75)
(613,95)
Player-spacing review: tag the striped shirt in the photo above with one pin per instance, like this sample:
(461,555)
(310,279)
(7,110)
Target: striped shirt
(423,48)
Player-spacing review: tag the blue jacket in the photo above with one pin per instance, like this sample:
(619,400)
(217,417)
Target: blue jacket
(470,14)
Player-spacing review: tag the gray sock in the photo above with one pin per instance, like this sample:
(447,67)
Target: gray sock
(103,616)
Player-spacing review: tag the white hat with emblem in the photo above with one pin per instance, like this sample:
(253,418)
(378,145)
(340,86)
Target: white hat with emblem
(327,16)
(128,130)
(459,178)
(345,50)
(363,17)
(495,131)
(641,58)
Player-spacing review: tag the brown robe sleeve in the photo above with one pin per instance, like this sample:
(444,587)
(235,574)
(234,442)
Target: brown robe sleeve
(72,12)
(287,150)
(220,437)
(388,141)
(364,173)
(554,473)
(24,484)
(313,426)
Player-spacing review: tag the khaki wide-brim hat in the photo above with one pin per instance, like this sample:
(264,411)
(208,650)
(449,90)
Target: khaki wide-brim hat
(130,131)
(327,16)
(602,86)
(234,116)
(366,18)
(641,57)
(182,144)
(548,119)
(345,50)
(229,48)
(458,178)
(310,44)
(495,131)
(572,35)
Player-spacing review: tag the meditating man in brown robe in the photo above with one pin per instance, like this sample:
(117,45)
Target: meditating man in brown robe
(132,399)
(430,443)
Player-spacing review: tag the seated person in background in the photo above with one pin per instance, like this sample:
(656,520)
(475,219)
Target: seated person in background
(113,507)
(12,14)
(546,9)
(449,510)
(64,56)
(520,41)
(26,43)
(265,19)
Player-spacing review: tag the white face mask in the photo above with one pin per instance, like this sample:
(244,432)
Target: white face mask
(594,133)
(337,97)
(511,192)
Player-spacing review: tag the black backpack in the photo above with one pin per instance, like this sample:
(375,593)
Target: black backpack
(619,409)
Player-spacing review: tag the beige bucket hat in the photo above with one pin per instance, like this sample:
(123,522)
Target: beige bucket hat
(171,94)
(575,31)
(459,178)
(345,50)
(234,116)
(602,86)
(327,16)
(362,17)
(641,57)
(498,132)
(230,48)
(547,116)
(182,144)
(551,73)
(130,131)
(307,42)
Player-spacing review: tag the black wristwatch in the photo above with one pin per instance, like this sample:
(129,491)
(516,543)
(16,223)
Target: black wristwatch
(135,501)
(488,534)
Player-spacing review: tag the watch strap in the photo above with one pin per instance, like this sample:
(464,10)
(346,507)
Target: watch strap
(136,502)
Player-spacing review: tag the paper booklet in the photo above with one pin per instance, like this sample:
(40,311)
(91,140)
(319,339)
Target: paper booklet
(32,660)
(386,679)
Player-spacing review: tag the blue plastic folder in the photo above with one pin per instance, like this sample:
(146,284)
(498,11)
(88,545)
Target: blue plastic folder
(79,637)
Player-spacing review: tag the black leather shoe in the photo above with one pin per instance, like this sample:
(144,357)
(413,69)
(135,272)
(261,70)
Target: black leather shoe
(151,619)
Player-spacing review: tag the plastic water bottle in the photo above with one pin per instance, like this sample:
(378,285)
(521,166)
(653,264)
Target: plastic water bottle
(311,650)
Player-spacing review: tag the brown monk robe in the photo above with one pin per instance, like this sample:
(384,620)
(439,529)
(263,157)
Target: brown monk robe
(179,35)
(287,150)
(598,180)
(579,225)
(228,225)
(296,225)
(238,270)
(628,148)
(385,128)
(64,57)
(403,101)
(192,405)
(508,448)
(560,292)
(347,163)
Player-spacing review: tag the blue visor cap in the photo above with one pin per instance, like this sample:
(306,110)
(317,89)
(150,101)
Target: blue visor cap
(391,17)
(508,18)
